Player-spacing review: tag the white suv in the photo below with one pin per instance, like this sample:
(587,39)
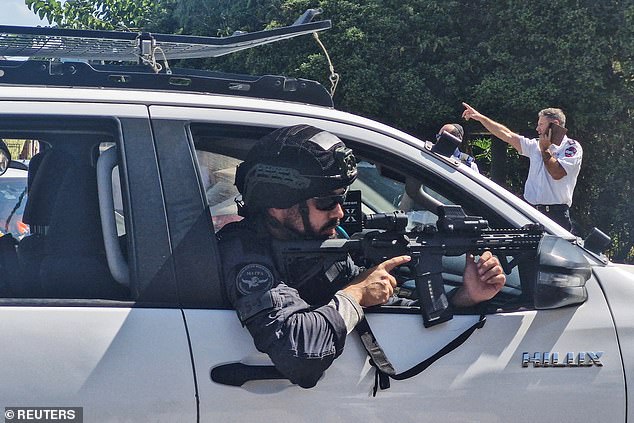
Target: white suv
(114,301)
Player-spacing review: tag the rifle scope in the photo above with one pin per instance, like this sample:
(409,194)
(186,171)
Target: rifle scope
(392,222)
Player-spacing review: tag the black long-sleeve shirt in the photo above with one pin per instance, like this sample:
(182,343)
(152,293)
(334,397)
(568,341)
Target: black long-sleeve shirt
(301,338)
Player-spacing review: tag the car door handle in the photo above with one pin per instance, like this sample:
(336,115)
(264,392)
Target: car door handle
(237,374)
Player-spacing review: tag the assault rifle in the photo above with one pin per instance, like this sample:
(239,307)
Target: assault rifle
(384,236)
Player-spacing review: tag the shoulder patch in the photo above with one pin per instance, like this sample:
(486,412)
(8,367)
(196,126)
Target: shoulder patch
(570,151)
(254,278)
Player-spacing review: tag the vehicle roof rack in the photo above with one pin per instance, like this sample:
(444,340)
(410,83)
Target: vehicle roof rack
(58,43)
(72,49)
(79,74)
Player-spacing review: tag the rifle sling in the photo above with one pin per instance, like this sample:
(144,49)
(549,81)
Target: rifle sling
(385,370)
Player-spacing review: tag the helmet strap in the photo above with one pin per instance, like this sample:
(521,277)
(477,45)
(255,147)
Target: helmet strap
(308,228)
(286,232)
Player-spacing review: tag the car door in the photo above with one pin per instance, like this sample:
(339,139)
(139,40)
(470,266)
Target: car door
(483,379)
(73,336)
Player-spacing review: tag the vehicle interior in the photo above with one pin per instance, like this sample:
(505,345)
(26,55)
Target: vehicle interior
(387,184)
(61,246)
(64,246)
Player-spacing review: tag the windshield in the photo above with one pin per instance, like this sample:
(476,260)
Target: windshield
(12,201)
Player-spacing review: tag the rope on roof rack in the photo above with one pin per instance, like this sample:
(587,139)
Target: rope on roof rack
(153,63)
(334,76)
(146,44)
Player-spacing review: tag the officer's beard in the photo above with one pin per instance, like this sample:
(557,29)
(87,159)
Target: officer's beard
(296,226)
(332,224)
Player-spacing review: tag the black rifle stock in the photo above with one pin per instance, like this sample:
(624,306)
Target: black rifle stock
(385,237)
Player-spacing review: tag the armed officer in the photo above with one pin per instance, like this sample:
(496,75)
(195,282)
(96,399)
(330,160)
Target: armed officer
(293,184)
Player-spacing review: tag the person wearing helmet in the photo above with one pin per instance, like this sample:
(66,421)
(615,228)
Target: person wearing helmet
(293,184)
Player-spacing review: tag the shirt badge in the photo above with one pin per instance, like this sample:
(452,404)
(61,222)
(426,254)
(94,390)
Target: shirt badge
(253,278)
(570,151)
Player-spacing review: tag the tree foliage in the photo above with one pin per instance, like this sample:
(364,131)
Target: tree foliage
(131,15)
(410,63)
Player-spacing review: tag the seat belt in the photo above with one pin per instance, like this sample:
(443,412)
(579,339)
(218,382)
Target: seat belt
(385,370)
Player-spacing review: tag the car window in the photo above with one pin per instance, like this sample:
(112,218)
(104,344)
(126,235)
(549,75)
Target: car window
(383,189)
(379,194)
(13,197)
(13,187)
(382,194)
(217,173)
(52,212)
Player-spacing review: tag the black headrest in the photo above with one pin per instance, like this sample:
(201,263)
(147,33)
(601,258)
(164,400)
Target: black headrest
(63,198)
(34,165)
(46,171)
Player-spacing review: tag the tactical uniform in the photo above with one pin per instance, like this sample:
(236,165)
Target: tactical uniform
(301,319)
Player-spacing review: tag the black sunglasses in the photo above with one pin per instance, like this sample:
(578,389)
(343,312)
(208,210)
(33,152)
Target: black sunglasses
(329,202)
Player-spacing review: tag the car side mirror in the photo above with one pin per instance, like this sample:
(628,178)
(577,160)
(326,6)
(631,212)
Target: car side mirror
(597,241)
(561,275)
(5,158)
(446,144)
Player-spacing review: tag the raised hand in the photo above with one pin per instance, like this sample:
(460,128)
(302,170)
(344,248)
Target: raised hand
(470,113)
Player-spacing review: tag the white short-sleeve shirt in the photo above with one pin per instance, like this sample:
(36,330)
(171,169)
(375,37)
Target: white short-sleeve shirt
(540,187)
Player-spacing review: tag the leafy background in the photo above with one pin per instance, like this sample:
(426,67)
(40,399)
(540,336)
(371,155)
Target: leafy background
(410,64)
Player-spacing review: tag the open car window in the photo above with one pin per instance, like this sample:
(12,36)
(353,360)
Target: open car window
(386,190)
(220,148)
(49,205)
(217,173)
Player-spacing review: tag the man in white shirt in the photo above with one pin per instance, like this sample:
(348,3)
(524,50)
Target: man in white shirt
(553,169)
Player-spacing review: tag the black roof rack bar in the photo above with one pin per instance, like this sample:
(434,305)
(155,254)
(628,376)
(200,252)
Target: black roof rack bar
(58,43)
(80,74)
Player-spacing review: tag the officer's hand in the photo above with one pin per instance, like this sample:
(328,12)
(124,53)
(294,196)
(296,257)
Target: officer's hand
(481,281)
(544,140)
(470,113)
(375,285)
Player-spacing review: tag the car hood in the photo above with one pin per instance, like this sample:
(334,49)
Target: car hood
(625,267)
(617,282)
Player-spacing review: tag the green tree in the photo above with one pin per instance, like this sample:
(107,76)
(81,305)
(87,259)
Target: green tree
(410,64)
(128,15)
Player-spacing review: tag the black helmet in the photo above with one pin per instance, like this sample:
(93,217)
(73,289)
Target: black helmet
(291,165)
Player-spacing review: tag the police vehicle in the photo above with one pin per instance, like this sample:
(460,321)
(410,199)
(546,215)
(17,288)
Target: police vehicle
(113,301)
